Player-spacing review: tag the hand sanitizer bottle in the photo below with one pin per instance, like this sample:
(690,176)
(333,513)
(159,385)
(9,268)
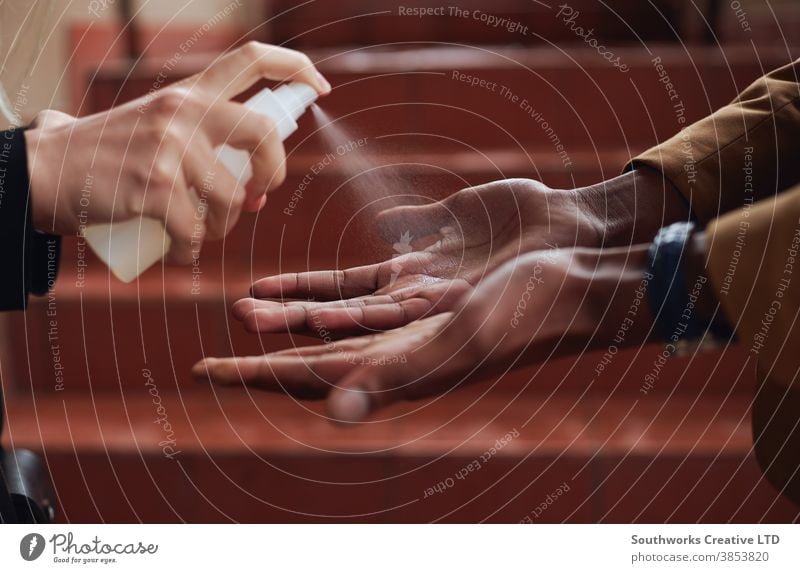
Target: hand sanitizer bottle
(131,247)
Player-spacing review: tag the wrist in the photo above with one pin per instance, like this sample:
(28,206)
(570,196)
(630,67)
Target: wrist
(622,320)
(631,208)
(42,201)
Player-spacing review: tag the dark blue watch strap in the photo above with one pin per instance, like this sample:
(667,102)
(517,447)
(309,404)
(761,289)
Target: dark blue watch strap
(671,302)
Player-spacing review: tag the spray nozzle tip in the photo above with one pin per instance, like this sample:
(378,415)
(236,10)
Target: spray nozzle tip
(295,97)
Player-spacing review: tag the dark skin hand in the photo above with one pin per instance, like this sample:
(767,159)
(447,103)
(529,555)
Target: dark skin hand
(542,305)
(458,241)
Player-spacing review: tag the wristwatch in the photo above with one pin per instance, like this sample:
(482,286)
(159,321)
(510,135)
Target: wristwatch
(672,297)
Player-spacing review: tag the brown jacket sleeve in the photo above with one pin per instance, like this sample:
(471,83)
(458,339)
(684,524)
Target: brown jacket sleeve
(754,264)
(746,151)
(737,161)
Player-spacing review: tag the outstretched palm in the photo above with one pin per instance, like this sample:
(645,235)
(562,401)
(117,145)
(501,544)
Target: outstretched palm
(449,246)
(539,306)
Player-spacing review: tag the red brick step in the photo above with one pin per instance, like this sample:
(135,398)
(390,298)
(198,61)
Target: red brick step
(259,457)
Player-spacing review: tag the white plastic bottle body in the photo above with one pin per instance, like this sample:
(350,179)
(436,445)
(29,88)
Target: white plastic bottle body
(131,247)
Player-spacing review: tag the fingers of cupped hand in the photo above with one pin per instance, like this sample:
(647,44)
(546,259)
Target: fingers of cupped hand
(353,282)
(319,285)
(372,312)
(326,320)
(244,306)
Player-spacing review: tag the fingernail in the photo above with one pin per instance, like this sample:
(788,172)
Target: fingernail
(323,83)
(350,405)
(242,308)
(200,371)
(256,199)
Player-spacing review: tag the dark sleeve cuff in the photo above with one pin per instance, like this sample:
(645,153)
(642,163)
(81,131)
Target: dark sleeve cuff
(30,258)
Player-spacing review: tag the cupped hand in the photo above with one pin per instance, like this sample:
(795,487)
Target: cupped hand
(543,305)
(155,156)
(448,247)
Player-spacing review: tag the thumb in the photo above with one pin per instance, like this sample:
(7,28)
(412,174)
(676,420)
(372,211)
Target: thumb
(361,393)
(435,367)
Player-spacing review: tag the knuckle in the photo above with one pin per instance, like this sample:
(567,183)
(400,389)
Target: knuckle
(263,126)
(531,185)
(193,102)
(138,177)
(171,136)
(132,202)
(303,60)
(153,131)
(168,102)
(160,176)
(462,198)
(252,50)
(162,129)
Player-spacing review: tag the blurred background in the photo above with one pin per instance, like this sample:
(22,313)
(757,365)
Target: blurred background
(96,374)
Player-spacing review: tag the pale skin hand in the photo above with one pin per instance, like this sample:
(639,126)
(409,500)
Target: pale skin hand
(543,305)
(483,227)
(154,155)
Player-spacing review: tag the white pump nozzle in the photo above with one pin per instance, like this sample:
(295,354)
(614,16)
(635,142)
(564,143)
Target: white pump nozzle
(131,247)
(295,98)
